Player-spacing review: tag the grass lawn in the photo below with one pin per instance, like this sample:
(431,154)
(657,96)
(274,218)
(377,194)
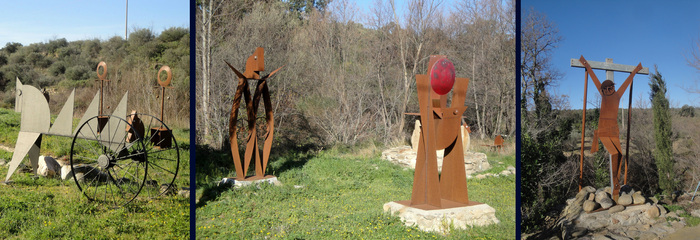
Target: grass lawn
(335,194)
(44,208)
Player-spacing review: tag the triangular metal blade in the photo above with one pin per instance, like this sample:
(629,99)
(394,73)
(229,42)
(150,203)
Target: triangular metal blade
(114,133)
(64,121)
(25,141)
(92,110)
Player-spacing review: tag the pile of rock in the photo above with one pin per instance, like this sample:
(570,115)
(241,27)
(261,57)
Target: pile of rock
(593,213)
(404,156)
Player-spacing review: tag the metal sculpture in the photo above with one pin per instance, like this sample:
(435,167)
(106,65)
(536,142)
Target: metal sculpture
(104,163)
(254,65)
(608,131)
(161,135)
(440,129)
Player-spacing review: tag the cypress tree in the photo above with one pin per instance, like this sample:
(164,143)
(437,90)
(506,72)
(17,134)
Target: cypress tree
(663,154)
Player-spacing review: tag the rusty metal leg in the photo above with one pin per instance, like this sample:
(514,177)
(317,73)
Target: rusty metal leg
(426,182)
(232,131)
(269,118)
(453,180)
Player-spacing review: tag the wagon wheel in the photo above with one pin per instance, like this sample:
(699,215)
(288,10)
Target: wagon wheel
(105,166)
(163,154)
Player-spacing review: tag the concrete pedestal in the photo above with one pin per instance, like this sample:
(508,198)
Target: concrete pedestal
(439,220)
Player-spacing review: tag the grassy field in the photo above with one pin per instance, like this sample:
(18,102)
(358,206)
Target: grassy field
(43,208)
(334,194)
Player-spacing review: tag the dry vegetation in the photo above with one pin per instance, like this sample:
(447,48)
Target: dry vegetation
(348,73)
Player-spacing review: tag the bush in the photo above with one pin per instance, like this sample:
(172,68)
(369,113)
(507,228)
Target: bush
(78,72)
(687,111)
(57,68)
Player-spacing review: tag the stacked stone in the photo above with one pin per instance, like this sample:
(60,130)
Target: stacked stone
(593,212)
(601,198)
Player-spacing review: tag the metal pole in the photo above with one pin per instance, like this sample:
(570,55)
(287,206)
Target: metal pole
(583,130)
(126,20)
(629,121)
(162,103)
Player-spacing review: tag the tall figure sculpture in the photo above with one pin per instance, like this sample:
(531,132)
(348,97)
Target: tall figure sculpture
(440,129)
(254,65)
(608,131)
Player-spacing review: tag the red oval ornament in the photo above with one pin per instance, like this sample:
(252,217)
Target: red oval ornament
(442,76)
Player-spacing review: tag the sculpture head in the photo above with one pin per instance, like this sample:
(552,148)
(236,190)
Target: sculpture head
(607,87)
(442,76)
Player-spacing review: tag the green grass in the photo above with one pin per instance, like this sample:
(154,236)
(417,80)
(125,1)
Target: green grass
(342,198)
(43,208)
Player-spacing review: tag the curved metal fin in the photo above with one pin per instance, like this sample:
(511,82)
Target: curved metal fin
(36,116)
(91,111)
(64,121)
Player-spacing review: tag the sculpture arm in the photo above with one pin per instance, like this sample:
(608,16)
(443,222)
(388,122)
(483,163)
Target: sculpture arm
(629,79)
(590,72)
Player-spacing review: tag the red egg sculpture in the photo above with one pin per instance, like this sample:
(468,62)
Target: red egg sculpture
(442,76)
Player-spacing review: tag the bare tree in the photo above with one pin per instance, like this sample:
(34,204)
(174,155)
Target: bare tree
(540,37)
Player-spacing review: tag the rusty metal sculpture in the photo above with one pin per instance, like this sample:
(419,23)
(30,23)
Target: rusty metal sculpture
(109,161)
(608,131)
(440,129)
(162,135)
(254,65)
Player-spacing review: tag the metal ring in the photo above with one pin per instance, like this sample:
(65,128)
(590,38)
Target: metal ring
(104,70)
(167,80)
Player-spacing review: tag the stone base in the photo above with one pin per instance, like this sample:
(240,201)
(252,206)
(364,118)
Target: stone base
(439,220)
(251,180)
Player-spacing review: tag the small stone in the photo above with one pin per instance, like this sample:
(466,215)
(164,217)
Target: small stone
(48,166)
(591,196)
(167,189)
(184,192)
(638,198)
(662,210)
(695,213)
(298,186)
(3,162)
(607,190)
(653,212)
(654,200)
(588,189)
(480,176)
(589,205)
(600,195)
(606,203)
(625,199)
(616,208)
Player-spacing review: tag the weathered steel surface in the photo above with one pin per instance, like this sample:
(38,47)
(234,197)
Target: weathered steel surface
(161,135)
(440,129)
(608,130)
(254,65)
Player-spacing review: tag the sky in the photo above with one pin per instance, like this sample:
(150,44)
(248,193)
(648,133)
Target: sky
(629,32)
(33,21)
